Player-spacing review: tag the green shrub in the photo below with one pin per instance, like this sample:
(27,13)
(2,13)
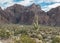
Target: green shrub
(24,39)
(56,39)
(20,31)
(4,33)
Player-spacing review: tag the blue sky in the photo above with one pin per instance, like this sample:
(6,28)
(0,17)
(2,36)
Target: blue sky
(46,5)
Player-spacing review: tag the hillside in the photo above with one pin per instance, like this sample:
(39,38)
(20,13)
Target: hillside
(18,14)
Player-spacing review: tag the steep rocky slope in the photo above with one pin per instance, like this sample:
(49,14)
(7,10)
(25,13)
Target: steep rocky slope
(3,16)
(25,15)
(54,15)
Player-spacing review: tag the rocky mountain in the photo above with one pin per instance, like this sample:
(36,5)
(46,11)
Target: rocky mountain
(43,17)
(54,15)
(19,14)
(3,16)
(25,15)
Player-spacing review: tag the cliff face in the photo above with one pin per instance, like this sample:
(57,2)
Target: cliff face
(54,15)
(43,17)
(25,15)
(3,16)
(19,14)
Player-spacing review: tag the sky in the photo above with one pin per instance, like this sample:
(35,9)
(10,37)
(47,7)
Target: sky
(46,5)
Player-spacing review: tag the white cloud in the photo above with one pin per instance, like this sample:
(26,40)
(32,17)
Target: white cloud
(46,1)
(25,2)
(54,5)
(56,0)
(3,1)
(10,3)
(28,2)
(47,8)
(51,0)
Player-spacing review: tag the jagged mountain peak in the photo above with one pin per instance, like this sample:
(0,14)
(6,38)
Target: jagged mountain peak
(35,5)
(18,13)
(18,5)
(21,14)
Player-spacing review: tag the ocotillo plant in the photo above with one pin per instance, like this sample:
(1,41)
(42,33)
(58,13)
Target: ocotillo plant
(35,22)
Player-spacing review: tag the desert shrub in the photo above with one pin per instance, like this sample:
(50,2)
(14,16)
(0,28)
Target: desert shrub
(27,39)
(24,39)
(40,37)
(4,33)
(20,31)
(56,39)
